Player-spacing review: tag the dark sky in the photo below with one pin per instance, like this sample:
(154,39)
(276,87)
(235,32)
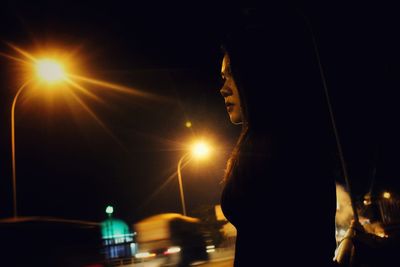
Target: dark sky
(68,165)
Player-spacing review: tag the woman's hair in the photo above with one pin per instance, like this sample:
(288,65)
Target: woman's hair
(274,65)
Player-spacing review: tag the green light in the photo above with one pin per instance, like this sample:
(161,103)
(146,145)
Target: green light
(109,210)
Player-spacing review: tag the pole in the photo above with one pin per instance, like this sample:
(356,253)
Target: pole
(180,183)
(337,138)
(14,175)
(346,248)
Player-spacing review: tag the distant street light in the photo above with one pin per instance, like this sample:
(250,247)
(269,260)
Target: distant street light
(48,71)
(199,150)
(188,124)
(387,195)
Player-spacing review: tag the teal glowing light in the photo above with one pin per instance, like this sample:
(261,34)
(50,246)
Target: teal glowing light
(115,228)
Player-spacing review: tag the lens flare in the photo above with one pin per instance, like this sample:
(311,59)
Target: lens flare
(50,70)
(200,150)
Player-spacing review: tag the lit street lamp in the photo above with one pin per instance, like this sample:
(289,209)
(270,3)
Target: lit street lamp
(199,150)
(50,72)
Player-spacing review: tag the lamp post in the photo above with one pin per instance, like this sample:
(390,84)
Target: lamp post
(199,150)
(49,71)
(14,175)
(180,182)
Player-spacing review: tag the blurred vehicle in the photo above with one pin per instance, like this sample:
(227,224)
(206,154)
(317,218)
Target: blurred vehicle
(46,241)
(173,237)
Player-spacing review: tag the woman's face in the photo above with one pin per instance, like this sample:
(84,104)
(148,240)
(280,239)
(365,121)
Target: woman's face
(230,93)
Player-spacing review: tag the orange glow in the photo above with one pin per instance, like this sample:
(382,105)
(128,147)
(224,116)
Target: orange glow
(374,228)
(95,117)
(188,124)
(387,195)
(52,67)
(172,250)
(144,255)
(23,52)
(117,87)
(14,58)
(50,70)
(200,149)
(84,90)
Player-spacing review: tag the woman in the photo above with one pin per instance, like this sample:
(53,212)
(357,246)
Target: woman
(279,186)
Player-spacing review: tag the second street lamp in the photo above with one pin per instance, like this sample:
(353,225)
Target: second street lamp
(199,150)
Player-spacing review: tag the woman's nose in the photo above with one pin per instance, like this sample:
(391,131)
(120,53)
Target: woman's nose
(225,91)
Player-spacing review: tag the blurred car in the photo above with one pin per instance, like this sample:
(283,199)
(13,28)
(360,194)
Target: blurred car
(175,238)
(46,241)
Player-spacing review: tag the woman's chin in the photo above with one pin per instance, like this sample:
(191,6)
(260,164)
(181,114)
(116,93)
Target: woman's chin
(236,120)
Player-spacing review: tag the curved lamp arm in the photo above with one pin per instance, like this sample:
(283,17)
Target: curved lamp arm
(185,156)
(14,177)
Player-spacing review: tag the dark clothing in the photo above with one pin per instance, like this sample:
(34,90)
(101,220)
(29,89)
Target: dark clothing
(285,213)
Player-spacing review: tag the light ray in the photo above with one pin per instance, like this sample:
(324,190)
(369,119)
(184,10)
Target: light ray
(14,58)
(23,52)
(84,90)
(83,84)
(96,118)
(120,88)
(161,187)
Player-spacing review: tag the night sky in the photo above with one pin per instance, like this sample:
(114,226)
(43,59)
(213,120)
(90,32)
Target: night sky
(70,165)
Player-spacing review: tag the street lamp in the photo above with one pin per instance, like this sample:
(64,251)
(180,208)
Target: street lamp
(48,71)
(199,150)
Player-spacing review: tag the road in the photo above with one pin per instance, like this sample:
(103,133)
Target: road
(225,263)
(218,259)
